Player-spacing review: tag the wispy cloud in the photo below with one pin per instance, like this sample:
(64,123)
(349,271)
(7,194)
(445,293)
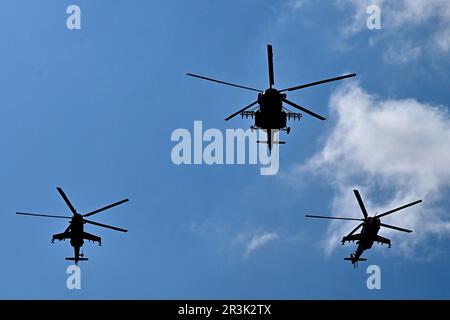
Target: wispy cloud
(259,240)
(404,53)
(396,147)
(297,4)
(420,25)
(402,20)
(242,240)
(398,14)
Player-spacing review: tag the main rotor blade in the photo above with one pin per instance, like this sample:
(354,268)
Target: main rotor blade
(68,228)
(104,208)
(270,58)
(42,215)
(61,192)
(354,230)
(361,203)
(395,228)
(399,208)
(303,109)
(318,82)
(104,225)
(223,82)
(243,109)
(334,218)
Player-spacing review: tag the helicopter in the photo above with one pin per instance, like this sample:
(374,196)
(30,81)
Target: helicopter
(370,227)
(270,115)
(75,231)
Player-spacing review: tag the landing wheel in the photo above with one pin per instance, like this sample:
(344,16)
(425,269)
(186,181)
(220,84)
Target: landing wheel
(288,130)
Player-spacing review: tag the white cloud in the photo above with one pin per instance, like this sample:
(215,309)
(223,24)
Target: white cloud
(405,53)
(243,239)
(404,16)
(442,39)
(358,12)
(400,13)
(397,147)
(297,4)
(418,11)
(422,26)
(260,240)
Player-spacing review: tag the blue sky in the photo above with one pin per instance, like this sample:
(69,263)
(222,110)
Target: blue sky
(92,111)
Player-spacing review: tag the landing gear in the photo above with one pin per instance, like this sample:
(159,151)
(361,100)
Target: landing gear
(53,241)
(288,130)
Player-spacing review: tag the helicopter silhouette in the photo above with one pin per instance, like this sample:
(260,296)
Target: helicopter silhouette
(270,115)
(370,227)
(75,231)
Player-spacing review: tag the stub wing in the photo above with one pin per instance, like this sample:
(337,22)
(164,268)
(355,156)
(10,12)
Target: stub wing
(351,238)
(62,236)
(383,240)
(91,237)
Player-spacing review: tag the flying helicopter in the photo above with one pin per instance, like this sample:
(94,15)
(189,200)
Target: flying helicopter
(270,114)
(75,231)
(370,227)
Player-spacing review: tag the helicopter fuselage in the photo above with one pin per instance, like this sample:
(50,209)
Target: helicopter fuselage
(76,231)
(369,234)
(270,114)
